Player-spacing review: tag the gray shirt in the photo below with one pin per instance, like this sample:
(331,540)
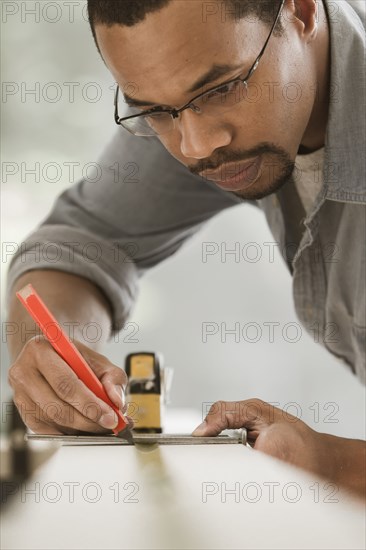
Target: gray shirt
(143,204)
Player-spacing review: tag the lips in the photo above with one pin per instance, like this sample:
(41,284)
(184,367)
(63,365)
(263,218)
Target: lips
(238,176)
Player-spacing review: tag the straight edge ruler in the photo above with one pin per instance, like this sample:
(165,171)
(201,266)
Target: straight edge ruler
(237,436)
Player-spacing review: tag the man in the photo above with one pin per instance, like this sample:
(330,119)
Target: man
(224,99)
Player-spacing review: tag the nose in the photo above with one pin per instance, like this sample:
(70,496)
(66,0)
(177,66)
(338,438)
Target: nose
(201,135)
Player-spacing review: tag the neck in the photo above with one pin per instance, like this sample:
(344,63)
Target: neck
(314,136)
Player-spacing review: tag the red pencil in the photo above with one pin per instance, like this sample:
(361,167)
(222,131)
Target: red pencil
(67,350)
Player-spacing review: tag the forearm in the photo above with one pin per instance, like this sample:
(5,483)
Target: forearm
(74,301)
(344,462)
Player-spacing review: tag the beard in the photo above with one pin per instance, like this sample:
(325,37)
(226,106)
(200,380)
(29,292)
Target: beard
(276,169)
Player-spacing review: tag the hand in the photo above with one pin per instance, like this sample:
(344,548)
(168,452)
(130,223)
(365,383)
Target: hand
(51,399)
(269,429)
(279,434)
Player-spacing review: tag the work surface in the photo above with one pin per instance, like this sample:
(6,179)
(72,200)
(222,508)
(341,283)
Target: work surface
(221,496)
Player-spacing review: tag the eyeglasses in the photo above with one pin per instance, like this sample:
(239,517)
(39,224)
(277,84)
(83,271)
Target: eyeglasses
(158,121)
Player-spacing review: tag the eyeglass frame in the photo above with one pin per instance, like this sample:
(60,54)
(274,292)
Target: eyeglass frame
(190,105)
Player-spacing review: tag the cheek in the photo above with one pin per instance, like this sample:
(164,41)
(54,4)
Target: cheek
(294,99)
(172,142)
(274,111)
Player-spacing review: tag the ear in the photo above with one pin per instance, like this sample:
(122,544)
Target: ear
(304,15)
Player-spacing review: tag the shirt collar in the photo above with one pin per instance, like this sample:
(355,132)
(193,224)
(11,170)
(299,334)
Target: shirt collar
(345,143)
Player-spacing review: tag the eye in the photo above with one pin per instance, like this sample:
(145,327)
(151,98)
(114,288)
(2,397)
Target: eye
(222,90)
(145,111)
(156,115)
(156,111)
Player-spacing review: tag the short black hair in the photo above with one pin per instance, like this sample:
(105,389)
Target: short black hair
(130,12)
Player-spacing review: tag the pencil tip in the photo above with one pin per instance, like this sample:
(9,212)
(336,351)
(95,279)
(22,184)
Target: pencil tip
(126,434)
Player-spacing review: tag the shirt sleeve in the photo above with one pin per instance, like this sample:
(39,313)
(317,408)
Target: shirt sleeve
(136,209)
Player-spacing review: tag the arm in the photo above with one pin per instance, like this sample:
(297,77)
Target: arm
(136,211)
(73,300)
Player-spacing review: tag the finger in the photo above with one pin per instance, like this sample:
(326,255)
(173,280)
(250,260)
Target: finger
(42,428)
(102,367)
(31,417)
(43,407)
(72,391)
(250,414)
(38,404)
(37,357)
(131,421)
(115,393)
(113,378)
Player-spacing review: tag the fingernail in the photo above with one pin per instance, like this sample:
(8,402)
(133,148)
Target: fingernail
(130,421)
(121,394)
(201,429)
(109,420)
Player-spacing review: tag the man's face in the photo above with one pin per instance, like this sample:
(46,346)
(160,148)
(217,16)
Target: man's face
(249,149)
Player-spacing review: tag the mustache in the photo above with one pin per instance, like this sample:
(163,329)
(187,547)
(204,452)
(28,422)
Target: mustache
(224,157)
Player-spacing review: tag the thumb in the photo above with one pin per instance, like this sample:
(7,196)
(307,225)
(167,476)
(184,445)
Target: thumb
(225,415)
(221,416)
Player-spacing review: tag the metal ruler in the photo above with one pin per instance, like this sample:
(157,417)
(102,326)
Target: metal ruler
(239,436)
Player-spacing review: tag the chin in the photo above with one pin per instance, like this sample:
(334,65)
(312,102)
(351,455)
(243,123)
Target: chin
(260,189)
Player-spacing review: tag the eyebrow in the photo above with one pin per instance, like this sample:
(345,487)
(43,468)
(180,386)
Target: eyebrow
(213,74)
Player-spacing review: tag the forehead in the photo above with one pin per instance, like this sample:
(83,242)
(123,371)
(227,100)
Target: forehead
(177,44)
